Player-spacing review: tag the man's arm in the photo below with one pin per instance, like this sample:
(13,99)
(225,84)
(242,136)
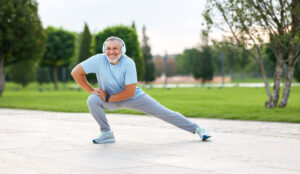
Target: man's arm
(128,92)
(78,74)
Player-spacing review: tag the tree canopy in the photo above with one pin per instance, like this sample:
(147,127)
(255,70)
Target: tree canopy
(23,72)
(203,66)
(60,49)
(186,61)
(253,22)
(21,33)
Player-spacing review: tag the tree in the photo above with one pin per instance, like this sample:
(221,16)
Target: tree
(203,67)
(186,61)
(85,44)
(60,49)
(129,36)
(43,75)
(23,72)
(180,62)
(133,26)
(235,58)
(149,65)
(85,50)
(251,22)
(21,34)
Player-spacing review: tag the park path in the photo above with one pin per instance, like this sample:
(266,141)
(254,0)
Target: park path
(56,142)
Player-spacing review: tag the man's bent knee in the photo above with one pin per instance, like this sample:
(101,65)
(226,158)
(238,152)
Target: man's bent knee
(93,99)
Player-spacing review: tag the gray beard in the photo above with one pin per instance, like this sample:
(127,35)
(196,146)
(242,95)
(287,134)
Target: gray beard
(115,60)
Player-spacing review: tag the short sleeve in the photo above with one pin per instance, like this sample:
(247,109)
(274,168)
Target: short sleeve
(91,64)
(130,73)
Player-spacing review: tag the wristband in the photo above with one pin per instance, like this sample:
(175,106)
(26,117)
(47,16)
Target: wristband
(107,97)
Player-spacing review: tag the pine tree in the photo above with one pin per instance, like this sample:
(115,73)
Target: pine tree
(85,44)
(149,65)
(133,26)
(85,50)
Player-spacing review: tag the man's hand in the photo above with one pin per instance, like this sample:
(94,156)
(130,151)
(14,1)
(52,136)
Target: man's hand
(100,92)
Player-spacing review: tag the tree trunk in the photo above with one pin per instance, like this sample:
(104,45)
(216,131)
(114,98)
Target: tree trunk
(264,76)
(288,79)
(287,86)
(55,76)
(277,75)
(2,77)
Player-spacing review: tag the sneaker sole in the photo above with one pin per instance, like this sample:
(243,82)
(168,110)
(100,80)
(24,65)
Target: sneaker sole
(106,141)
(205,137)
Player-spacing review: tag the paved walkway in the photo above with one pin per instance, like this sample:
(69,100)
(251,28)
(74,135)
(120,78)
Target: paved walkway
(54,142)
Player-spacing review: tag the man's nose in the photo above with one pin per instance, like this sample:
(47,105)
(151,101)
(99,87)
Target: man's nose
(110,51)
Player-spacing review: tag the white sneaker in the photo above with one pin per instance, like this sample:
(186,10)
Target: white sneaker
(202,133)
(105,137)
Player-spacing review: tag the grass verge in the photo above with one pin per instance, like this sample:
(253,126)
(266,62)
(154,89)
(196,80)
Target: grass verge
(226,103)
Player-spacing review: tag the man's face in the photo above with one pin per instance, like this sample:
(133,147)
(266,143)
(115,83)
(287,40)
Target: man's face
(113,49)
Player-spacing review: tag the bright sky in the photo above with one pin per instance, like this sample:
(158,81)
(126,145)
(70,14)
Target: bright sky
(171,25)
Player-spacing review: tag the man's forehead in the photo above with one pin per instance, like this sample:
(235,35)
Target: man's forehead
(113,43)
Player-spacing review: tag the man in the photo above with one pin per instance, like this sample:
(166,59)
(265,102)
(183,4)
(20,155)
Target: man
(117,78)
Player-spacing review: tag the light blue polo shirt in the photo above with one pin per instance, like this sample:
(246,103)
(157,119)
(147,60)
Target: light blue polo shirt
(112,78)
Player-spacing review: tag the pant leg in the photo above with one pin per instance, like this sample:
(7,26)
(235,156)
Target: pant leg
(150,106)
(97,106)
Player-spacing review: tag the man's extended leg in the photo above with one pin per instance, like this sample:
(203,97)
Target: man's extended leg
(148,105)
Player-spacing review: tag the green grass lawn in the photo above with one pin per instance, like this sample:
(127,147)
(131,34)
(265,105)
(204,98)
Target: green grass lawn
(227,103)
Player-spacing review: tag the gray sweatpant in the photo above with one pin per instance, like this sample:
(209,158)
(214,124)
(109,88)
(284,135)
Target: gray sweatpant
(143,103)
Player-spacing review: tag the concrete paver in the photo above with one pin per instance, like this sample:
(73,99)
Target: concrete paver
(55,142)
